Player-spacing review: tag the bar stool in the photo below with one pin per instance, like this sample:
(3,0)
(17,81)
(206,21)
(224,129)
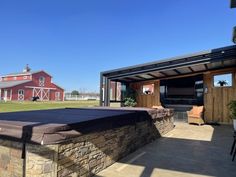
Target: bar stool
(233,149)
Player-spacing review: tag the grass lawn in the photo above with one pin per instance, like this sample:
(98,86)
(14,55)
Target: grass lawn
(27,106)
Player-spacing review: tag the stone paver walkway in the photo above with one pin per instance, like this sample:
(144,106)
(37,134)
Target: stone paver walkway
(187,151)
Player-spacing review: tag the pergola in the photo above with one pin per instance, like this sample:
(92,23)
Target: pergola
(188,65)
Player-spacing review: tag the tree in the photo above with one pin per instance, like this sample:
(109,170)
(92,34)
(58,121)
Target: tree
(75,93)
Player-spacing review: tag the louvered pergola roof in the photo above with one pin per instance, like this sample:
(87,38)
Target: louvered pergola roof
(189,64)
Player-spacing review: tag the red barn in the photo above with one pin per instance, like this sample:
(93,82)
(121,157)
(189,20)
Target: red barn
(27,84)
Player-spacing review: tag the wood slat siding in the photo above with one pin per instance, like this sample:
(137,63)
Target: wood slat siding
(217,98)
(144,100)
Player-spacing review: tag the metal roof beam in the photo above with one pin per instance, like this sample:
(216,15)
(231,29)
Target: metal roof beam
(152,75)
(162,73)
(175,66)
(212,56)
(180,75)
(178,72)
(191,69)
(140,77)
(129,78)
(130,74)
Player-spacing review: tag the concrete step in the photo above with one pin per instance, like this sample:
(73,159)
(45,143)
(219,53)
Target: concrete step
(179,108)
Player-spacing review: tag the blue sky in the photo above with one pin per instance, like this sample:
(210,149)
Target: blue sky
(74,40)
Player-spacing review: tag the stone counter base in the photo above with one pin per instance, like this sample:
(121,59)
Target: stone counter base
(83,156)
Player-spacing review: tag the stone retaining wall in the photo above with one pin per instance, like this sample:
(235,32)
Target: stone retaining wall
(82,156)
(11,163)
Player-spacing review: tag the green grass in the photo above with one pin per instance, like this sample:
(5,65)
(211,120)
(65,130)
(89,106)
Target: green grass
(27,106)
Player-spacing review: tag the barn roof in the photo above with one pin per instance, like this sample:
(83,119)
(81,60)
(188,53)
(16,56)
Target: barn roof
(7,84)
(25,73)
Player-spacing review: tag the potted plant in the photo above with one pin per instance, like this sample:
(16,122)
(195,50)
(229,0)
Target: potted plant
(232,108)
(222,83)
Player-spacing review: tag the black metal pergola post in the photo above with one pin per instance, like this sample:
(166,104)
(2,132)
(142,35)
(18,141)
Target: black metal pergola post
(107,92)
(104,90)
(101,89)
(233,3)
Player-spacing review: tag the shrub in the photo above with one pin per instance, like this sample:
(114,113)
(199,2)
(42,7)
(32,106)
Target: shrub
(129,102)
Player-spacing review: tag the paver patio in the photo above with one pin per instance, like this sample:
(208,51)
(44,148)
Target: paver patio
(188,150)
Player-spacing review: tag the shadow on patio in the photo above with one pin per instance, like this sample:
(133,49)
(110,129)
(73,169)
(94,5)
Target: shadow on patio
(188,150)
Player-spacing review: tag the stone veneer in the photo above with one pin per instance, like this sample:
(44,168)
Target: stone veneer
(85,155)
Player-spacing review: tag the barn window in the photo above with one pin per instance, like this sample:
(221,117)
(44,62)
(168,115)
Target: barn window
(57,96)
(148,89)
(223,80)
(41,81)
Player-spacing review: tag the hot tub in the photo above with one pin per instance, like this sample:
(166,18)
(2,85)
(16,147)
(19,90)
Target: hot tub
(75,142)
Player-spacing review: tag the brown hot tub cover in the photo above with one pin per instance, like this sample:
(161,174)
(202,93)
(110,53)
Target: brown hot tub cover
(58,125)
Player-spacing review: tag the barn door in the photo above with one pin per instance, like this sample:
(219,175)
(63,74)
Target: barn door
(21,95)
(43,94)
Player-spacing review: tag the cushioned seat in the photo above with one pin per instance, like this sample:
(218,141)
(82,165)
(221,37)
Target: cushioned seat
(157,107)
(195,115)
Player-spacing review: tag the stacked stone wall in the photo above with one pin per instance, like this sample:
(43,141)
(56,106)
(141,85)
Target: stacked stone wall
(11,163)
(83,156)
